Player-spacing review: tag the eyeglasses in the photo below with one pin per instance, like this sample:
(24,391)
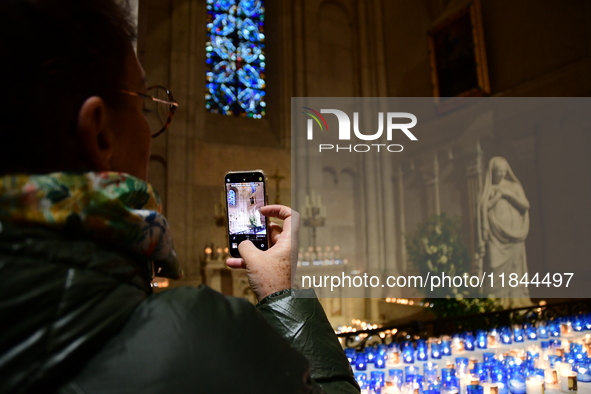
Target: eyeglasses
(159,107)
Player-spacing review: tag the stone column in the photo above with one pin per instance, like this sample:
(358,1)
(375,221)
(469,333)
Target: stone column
(430,174)
(473,166)
(389,233)
(181,137)
(401,222)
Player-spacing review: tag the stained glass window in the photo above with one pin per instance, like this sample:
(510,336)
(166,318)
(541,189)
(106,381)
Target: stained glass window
(231,197)
(235,56)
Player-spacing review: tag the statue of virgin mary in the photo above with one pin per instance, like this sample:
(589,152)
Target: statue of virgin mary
(503,225)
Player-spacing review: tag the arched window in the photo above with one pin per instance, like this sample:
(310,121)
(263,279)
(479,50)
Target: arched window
(231,197)
(235,57)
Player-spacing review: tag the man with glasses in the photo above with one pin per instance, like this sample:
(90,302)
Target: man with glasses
(81,235)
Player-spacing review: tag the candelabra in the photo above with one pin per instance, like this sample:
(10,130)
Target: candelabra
(314,215)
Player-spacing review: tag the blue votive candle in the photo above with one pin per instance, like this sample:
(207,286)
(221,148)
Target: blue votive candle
(446,347)
(481,340)
(517,336)
(506,336)
(361,362)
(436,351)
(408,355)
(474,389)
(543,332)
(469,341)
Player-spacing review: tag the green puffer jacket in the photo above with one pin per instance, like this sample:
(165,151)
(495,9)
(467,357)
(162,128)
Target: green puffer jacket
(78,316)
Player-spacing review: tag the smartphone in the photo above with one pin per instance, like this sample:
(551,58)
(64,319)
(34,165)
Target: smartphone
(246,193)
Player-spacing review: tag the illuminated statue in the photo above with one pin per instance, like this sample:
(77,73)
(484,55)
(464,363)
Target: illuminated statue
(503,225)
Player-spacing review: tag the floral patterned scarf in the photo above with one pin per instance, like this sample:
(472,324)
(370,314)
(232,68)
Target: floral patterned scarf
(115,208)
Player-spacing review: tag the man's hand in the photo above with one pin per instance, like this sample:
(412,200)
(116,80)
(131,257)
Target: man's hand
(270,271)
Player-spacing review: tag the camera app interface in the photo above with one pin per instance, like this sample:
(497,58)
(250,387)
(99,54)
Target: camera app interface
(244,201)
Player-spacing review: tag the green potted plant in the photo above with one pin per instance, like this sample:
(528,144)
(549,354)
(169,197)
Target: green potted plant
(437,247)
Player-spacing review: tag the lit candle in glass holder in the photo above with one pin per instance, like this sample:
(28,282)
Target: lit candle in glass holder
(422,350)
(370,352)
(449,363)
(447,374)
(410,372)
(446,347)
(361,362)
(554,329)
(488,357)
(531,332)
(390,390)
(539,372)
(461,365)
(395,378)
(563,369)
(481,339)
(435,350)
(480,370)
(449,389)
(394,357)
(430,372)
(408,356)
(506,336)
(351,355)
(380,362)
(457,344)
(499,376)
(543,331)
(551,377)
(517,384)
(474,389)
(565,328)
(568,382)
(534,385)
(489,388)
(583,371)
(493,338)
(378,376)
(578,324)
(360,377)
(518,334)
(552,359)
(469,341)
(468,380)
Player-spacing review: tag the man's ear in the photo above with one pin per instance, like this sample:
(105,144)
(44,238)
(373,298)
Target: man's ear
(95,135)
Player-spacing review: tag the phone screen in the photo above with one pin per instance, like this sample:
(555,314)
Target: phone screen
(245,195)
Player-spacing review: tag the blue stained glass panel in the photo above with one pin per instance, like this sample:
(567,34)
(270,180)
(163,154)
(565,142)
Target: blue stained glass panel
(235,58)
(223,72)
(223,47)
(249,52)
(251,100)
(224,24)
(250,8)
(250,77)
(223,5)
(232,197)
(223,95)
(248,30)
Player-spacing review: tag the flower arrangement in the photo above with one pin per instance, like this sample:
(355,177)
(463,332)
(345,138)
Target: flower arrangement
(437,247)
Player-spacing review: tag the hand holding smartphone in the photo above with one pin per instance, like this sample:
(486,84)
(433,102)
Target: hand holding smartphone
(246,193)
